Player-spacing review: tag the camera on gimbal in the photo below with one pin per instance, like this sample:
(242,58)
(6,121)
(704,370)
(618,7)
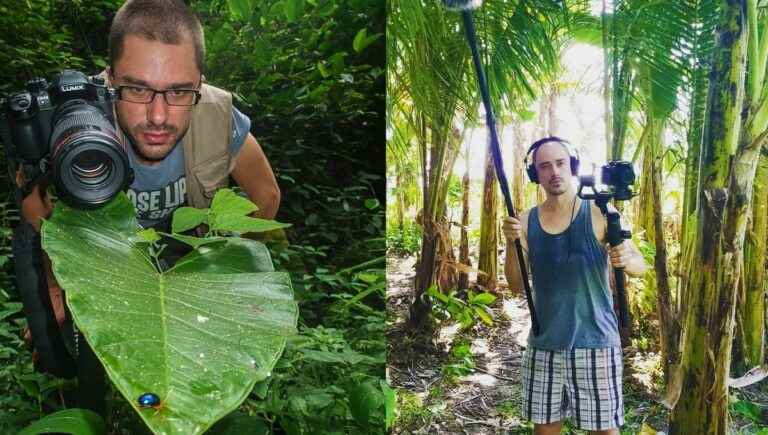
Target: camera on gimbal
(65,128)
(618,176)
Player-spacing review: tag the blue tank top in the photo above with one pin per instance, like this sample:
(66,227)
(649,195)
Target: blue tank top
(571,291)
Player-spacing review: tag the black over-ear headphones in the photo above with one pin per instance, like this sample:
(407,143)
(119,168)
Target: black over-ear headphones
(573,153)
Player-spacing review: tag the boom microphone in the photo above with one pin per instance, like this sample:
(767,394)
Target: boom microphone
(466,7)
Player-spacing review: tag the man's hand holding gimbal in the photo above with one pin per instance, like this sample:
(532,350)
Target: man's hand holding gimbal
(627,256)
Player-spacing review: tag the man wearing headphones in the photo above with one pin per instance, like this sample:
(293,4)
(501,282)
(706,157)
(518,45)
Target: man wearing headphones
(573,367)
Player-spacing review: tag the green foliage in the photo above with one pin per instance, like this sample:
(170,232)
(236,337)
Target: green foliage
(228,213)
(418,410)
(25,393)
(747,410)
(316,103)
(42,37)
(340,346)
(71,421)
(324,383)
(406,241)
(455,191)
(309,74)
(450,307)
(461,362)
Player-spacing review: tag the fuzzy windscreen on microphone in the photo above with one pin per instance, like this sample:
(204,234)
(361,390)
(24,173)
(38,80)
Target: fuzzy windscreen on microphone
(462,4)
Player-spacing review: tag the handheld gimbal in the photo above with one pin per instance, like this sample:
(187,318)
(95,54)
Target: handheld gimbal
(617,176)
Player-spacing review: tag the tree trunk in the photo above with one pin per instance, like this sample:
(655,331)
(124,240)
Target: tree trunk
(696,122)
(519,178)
(749,350)
(552,110)
(651,220)
(435,249)
(488,261)
(400,201)
(464,243)
(447,275)
(622,82)
(703,51)
(750,318)
(708,335)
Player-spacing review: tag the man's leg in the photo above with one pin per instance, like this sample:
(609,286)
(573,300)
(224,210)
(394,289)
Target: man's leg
(594,385)
(613,431)
(542,386)
(547,429)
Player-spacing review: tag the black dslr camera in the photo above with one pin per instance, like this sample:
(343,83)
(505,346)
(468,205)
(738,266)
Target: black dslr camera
(65,128)
(617,176)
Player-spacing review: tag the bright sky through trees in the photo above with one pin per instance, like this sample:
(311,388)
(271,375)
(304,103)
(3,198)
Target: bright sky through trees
(579,114)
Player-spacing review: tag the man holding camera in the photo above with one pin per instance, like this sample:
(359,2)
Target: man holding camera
(573,367)
(183,139)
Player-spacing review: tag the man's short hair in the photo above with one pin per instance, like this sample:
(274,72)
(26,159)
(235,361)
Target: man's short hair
(167,21)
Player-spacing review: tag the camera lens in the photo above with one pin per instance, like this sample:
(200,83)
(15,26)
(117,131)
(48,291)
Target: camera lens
(90,166)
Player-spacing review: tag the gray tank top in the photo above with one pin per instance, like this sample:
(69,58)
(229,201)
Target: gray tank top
(571,290)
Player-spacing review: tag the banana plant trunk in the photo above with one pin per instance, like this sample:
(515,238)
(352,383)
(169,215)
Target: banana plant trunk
(518,179)
(749,350)
(488,261)
(464,237)
(400,201)
(699,86)
(722,205)
(750,329)
(656,281)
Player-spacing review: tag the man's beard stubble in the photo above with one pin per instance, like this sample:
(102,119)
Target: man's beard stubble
(554,191)
(140,129)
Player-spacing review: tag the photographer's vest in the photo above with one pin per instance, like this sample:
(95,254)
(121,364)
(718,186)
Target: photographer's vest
(207,162)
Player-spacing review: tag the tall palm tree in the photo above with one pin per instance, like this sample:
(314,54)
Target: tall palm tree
(425,69)
(428,66)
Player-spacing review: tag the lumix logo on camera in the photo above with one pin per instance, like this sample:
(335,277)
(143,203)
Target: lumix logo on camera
(69,88)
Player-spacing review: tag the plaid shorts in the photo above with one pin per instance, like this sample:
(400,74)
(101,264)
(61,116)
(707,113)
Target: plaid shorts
(584,384)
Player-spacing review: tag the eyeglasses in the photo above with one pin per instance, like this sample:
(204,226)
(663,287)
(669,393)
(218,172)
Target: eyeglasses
(174,97)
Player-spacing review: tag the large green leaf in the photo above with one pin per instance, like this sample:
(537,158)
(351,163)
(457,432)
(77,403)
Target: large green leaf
(227,201)
(186,218)
(71,421)
(364,399)
(199,335)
